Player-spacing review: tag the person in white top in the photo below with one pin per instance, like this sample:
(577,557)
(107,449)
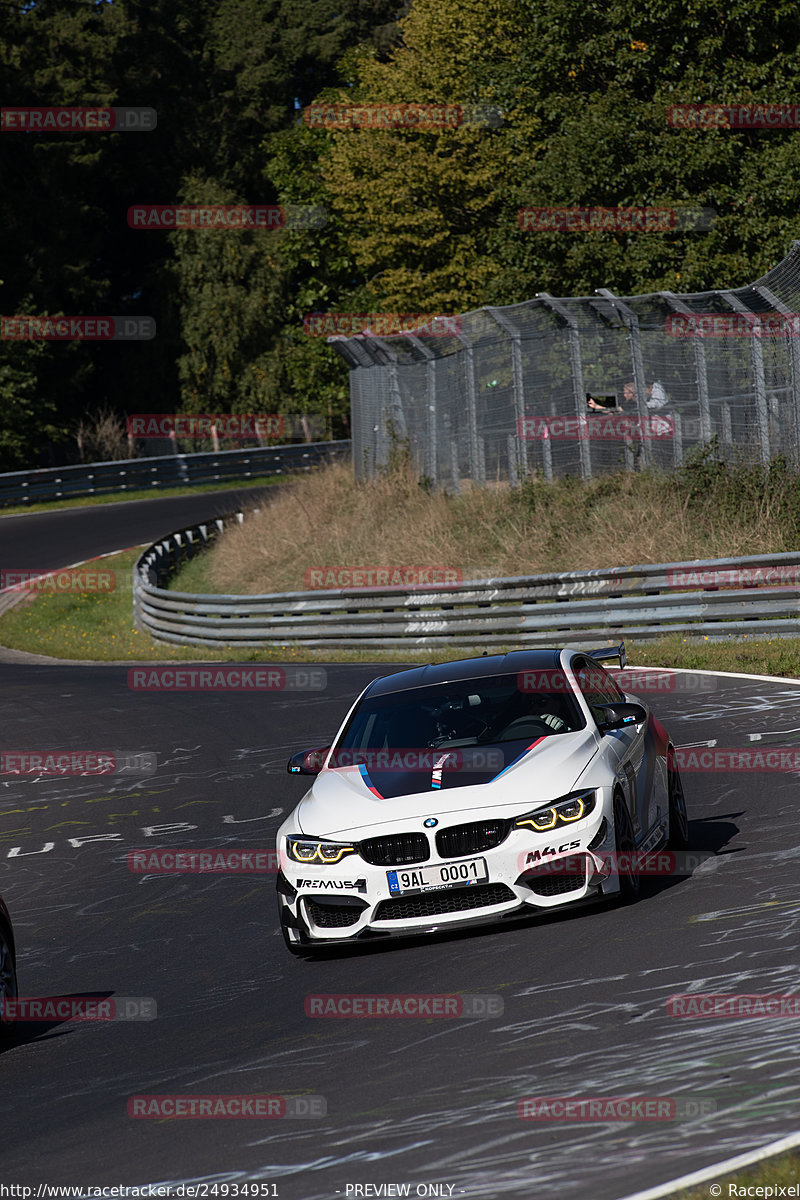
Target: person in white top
(656,394)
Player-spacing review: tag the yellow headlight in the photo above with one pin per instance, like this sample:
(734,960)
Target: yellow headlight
(309,851)
(572,811)
(333,854)
(540,821)
(573,808)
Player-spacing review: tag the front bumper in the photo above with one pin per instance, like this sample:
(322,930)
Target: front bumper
(351,901)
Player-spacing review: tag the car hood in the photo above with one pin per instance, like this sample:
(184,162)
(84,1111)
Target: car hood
(348,801)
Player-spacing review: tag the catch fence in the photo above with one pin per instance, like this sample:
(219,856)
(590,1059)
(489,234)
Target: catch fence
(499,393)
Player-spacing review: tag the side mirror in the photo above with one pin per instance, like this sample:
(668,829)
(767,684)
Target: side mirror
(307,762)
(619,716)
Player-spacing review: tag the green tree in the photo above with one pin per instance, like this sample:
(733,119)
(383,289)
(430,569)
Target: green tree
(422,207)
(220,76)
(432,217)
(602,78)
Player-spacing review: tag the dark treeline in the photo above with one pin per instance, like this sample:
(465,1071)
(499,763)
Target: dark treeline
(222,75)
(417,220)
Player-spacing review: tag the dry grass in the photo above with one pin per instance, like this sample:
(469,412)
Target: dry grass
(326,519)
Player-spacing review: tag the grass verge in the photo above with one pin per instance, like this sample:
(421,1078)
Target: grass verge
(783,1170)
(705,510)
(95,626)
(322,526)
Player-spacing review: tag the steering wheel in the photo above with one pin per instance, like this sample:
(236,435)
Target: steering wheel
(467,722)
(530,726)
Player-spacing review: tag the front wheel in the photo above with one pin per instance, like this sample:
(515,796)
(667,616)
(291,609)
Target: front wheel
(625,844)
(8,977)
(678,818)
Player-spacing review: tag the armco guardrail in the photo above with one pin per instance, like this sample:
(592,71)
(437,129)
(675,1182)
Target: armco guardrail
(716,599)
(170,470)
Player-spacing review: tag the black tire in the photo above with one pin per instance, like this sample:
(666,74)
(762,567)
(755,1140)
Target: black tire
(678,819)
(8,977)
(625,845)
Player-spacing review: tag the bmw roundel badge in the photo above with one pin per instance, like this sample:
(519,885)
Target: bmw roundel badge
(431,823)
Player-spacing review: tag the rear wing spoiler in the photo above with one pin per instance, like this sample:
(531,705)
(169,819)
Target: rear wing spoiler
(610,652)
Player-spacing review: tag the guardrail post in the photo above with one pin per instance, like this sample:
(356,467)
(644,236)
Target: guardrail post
(677,439)
(476,473)
(511,447)
(700,368)
(430,452)
(518,384)
(431,446)
(451,445)
(727,426)
(578,393)
(392,419)
(759,382)
(792,340)
(631,323)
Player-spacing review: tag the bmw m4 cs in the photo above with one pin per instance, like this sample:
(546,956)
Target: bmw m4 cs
(475,791)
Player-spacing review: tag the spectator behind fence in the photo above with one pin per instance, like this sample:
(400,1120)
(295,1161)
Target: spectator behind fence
(656,398)
(656,394)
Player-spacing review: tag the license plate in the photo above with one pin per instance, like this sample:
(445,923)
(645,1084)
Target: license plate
(430,879)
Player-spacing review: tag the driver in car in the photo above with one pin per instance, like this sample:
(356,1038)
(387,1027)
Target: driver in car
(537,711)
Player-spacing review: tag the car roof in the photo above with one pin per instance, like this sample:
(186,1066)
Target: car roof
(464,668)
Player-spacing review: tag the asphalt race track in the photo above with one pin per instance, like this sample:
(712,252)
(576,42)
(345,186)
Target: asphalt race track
(430,1102)
(57,538)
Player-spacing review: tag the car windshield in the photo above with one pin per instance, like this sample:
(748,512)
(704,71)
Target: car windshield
(471,712)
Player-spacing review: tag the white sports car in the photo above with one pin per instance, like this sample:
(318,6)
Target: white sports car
(475,791)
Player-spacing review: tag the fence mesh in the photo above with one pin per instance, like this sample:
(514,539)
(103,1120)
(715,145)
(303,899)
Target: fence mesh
(504,392)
